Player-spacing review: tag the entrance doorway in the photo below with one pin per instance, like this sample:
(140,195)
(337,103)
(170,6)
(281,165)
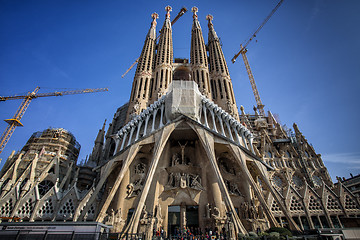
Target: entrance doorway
(192,219)
(174,220)
(183,216)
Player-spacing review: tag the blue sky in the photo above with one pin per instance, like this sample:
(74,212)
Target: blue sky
(305,63)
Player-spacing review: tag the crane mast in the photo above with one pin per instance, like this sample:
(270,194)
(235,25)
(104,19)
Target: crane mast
(260,106)
(15,120)
(243,51)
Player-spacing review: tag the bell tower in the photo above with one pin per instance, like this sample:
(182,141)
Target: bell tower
(220,81)
(142,85)
(198,57)
(164,59)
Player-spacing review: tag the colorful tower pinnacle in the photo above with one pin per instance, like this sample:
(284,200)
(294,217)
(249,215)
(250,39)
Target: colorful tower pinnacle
(143,82)
(198,57)
(221,86)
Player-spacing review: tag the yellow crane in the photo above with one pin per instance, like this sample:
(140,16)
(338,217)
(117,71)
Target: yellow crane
(15,120)
(243,51)
(183,10)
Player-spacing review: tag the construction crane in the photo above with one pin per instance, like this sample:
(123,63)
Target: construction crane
(183,10)
(243,51)
(15,120)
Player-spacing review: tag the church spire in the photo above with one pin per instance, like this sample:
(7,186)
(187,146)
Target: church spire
(220,81)
(198,56)
(143,81)
(164,58)
(96,155)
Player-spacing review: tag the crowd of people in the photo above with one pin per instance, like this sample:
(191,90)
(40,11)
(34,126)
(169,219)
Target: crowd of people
(192,233)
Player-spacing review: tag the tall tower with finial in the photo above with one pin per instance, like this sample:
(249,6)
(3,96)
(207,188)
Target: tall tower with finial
(143,81)
(220,81)
(164,59)
(198,57)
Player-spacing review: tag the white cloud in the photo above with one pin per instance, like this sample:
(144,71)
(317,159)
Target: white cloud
(346,158)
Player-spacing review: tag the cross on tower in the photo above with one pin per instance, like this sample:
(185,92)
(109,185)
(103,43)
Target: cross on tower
(168,10)
(154,16)
(209,17)
(194,10)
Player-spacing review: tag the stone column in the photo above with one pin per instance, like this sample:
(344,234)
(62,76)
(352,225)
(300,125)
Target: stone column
(182,216)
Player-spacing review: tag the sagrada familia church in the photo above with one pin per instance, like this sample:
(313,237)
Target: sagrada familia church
(179,155)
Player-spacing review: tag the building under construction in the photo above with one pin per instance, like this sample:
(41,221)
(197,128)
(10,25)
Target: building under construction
(179,155)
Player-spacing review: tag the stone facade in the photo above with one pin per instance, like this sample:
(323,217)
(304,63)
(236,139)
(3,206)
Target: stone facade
(178,155)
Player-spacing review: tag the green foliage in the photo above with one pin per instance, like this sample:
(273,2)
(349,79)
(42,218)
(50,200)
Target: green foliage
(241,235)
(281,231)
(274,235)
(252,234)
(263,234)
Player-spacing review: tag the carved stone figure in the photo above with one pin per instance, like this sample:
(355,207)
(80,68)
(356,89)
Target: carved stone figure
(183,181)
(216,212)
(144,213)
(234,189)
(183,152)
(196,182)
(175,160)
(245,210)
(140,168)
(252,212)
(171,181)
(230,107)
(177,179)
(130,189)
(109,219)
(207,210)
(117,216)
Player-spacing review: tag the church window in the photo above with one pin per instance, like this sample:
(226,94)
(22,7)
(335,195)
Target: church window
(350,203)
(151,87)
(315,221)
(112,147)
(145,85)
(203,78)
(212,89)
(226,90)
(275,207)
(134,90)
(297,181)
(317,181)
(47,209)
(161,77)
(277,181)
(232,92)
(295,204)
(4,184)
(23,183)
(68,209)
(7,208)
(314,204)
(332,203)
(215,89)
(44,187)
(220,89)
(335,221)
(140,85)
(27,209)
(166,78)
